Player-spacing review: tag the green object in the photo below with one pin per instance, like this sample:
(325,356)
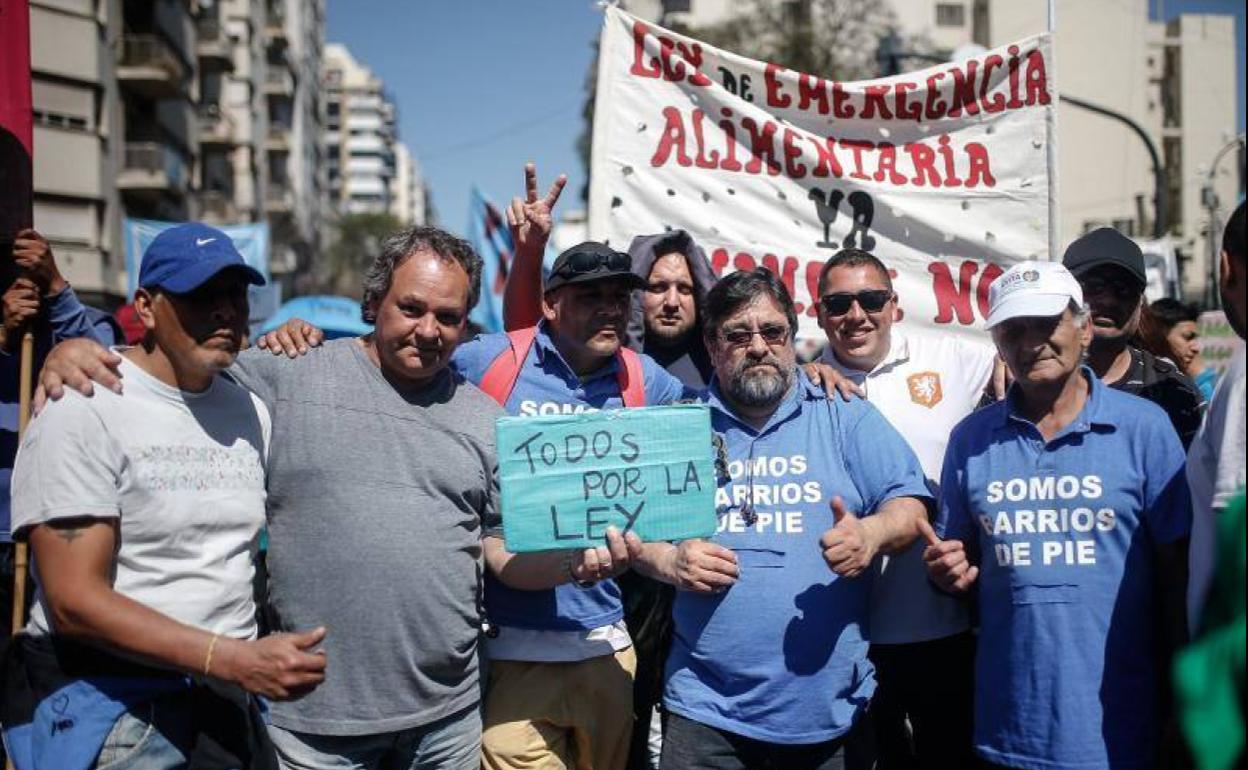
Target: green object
(1210,673)
(566,478)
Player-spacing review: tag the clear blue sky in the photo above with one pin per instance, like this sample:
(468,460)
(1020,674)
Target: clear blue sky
(484,85)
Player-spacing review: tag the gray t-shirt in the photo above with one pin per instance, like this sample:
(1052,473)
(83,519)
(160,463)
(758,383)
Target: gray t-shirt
(376,504)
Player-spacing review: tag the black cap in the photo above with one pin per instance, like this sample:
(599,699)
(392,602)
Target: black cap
(1105,246)
(591,261)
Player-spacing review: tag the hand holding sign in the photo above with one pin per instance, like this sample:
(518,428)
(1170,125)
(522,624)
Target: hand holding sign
(603,563)
(703,567)
(946,561)
(848,547)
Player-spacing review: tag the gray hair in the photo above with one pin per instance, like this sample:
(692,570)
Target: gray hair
(398,247)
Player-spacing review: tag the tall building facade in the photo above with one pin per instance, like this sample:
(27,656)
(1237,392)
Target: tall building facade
(360,136)
(163,109)
(1175,79)
(369,170)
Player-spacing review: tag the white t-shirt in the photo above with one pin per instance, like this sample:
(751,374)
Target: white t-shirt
(1215,471)
(924,387)
(184,475)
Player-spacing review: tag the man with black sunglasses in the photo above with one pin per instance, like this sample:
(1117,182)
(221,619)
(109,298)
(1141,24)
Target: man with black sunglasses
(1110,269)
(924,384)
(768,666)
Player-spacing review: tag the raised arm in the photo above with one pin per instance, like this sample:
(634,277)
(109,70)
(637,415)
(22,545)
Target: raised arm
(74,558)
(531,221)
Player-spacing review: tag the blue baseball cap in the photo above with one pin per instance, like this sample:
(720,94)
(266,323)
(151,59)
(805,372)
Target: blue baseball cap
(185,257)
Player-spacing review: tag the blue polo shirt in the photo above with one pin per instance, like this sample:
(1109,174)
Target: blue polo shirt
(1064,533)
(547,385)
(781,656)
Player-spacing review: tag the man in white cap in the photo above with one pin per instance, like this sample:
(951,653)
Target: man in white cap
(1067,502)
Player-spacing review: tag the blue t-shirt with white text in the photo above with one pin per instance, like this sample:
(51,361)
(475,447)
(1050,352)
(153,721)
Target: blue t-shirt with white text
(1064,533)
(781,656)
(547,385)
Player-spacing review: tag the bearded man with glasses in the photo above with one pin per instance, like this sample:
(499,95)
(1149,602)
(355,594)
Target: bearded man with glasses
(924,384)
(768,666)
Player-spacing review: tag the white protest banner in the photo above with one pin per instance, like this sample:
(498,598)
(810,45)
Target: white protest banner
(942,173)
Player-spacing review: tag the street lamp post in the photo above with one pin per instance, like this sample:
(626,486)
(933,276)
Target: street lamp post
(1209,197)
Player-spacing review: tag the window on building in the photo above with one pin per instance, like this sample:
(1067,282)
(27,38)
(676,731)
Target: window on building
(950,15)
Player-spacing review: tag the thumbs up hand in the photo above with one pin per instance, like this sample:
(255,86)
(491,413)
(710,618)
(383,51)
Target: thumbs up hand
(849,546)
(946,561)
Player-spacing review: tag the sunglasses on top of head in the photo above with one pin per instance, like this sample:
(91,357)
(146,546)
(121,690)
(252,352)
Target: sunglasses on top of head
(588,262)
(871,301)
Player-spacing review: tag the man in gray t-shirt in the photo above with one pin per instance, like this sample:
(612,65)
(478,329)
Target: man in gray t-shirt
(398,575)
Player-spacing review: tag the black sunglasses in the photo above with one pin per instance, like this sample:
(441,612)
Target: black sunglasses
(1095,285)
(870,300)
(589,262)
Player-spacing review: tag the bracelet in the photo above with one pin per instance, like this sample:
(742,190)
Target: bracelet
(212,645)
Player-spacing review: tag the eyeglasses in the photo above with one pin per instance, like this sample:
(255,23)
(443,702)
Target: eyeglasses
(588,262)
(772,334)
(870,300)
(1095,285)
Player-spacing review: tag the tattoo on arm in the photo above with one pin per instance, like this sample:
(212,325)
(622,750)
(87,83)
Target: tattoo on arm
(68,535)
(70,530)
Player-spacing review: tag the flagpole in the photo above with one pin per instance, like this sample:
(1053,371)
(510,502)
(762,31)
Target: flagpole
(1055,232)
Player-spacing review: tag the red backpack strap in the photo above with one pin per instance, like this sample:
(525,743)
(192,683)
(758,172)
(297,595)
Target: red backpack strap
(500,378)
(631,378)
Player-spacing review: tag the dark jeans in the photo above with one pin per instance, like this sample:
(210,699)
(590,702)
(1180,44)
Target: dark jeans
(930,686)
(689,745)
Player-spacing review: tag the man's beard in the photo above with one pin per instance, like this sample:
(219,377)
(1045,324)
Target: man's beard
(764,386)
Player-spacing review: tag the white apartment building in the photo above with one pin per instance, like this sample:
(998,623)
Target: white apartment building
(114,88)
(369,169)
(360,135)
(295,200)
(408,196)
(161,110)
(1176,80)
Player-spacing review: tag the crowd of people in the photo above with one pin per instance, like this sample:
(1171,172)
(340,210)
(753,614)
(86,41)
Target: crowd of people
(931,552)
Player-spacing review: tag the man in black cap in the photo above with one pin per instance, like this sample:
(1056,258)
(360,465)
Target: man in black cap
(1110,268)
(562,664)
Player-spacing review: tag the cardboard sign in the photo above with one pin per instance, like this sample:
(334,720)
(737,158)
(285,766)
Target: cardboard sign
(566,478)
(943,173)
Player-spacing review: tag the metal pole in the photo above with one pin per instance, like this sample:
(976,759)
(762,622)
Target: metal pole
(1160,219)
(1055,218)
(1211,294)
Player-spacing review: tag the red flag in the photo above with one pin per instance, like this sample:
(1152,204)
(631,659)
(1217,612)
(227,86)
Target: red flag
(16,126)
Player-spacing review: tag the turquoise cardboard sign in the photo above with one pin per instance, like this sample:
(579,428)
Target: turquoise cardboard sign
(566,478)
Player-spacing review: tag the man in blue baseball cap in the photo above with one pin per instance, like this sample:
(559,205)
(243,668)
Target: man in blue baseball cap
(143,510)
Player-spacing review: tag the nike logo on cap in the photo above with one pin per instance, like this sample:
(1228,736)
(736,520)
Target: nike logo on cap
(204,241)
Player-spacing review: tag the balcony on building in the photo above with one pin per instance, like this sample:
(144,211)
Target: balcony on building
(216,127)
(279,199)
(152,169)
(278,139)
(213,45)
(150,66)
(279,80)
(217,207)
(275,25)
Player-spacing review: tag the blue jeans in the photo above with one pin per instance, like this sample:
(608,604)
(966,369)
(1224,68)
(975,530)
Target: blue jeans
(155,736)
(451,743)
